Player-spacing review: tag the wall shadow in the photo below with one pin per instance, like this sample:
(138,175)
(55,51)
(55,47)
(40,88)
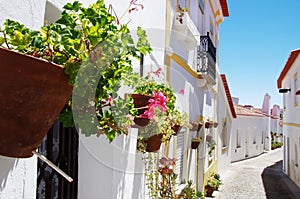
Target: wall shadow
(277,185)
(6,166)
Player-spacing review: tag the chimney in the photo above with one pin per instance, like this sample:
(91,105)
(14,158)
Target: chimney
(266,104)
(275,110)
(235,100)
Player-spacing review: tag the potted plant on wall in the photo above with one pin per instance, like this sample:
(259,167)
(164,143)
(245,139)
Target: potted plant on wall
(211,184)
(195,142)
(165,119)
(79,39)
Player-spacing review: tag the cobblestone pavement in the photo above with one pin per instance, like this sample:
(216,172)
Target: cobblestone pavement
(257,178)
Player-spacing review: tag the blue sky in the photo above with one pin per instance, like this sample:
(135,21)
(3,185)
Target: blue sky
(255,42)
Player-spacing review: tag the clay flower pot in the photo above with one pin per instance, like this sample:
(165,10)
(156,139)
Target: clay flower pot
(140,101)
(208,124)
(196,126)
(209,191)
(176,128)
(208,138)
(154,142)
(195,143)
(141,122)
(215,124)
(32,94)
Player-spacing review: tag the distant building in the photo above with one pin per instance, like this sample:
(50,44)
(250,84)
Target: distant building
(250,131)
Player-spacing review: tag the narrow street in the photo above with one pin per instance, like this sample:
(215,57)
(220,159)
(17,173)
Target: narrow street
(260,177)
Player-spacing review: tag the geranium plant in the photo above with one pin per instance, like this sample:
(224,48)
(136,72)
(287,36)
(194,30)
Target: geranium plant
(160,176)
(96,52)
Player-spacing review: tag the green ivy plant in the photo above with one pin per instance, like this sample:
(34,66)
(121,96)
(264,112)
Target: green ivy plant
(86,37)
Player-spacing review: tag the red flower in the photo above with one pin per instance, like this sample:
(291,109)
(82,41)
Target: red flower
(159,101)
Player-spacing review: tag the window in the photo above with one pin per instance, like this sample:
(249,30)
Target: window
(295,89)
(201,6)
(224,133)
(183,5)
(296,156)
(180,156)
(254,133)
(262,137)
(238,139)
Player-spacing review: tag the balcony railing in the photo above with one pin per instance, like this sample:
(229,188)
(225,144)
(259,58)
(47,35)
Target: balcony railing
(206,59)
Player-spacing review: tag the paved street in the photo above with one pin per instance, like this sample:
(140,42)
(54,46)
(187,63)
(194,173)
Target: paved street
(258,178)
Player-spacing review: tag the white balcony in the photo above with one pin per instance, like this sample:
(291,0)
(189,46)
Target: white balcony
(186,28)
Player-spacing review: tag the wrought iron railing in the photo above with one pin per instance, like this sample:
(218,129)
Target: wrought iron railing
(206,59)
(60,146)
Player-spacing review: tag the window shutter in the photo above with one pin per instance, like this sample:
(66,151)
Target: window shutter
(179,156)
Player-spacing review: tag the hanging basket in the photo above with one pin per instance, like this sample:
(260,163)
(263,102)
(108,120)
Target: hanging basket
(176,128)
(154,142)
(195,144)
(215,124)
(196,126)
(208,124)
(32,94)
(140,101)
(140,122)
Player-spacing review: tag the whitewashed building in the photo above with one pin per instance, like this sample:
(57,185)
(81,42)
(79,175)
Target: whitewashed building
(288,85)
(184,36)
(226,116)
(276,123)
(250,132)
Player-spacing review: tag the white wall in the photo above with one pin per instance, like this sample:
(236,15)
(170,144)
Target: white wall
(116,170)
(110,170)
(224,115)
(250,129)
(18,176)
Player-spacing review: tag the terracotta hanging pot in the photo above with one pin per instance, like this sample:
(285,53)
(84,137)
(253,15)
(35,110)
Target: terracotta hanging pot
(140,122)
(32,94)
(140,101)
(215,124)
(196,126)
(176,128)
(195,144)
(208,138)
(208,124)
(154,142)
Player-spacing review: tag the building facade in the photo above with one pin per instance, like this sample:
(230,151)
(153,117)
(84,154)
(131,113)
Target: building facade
(184,38)
(250,133)
(288,85)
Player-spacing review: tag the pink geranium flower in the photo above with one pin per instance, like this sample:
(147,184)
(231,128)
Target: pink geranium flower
(135,6)
(159,101)
(110,100)
(157,72)
(181,91)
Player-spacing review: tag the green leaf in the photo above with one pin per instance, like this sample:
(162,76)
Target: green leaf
(2,40)
(75,6)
